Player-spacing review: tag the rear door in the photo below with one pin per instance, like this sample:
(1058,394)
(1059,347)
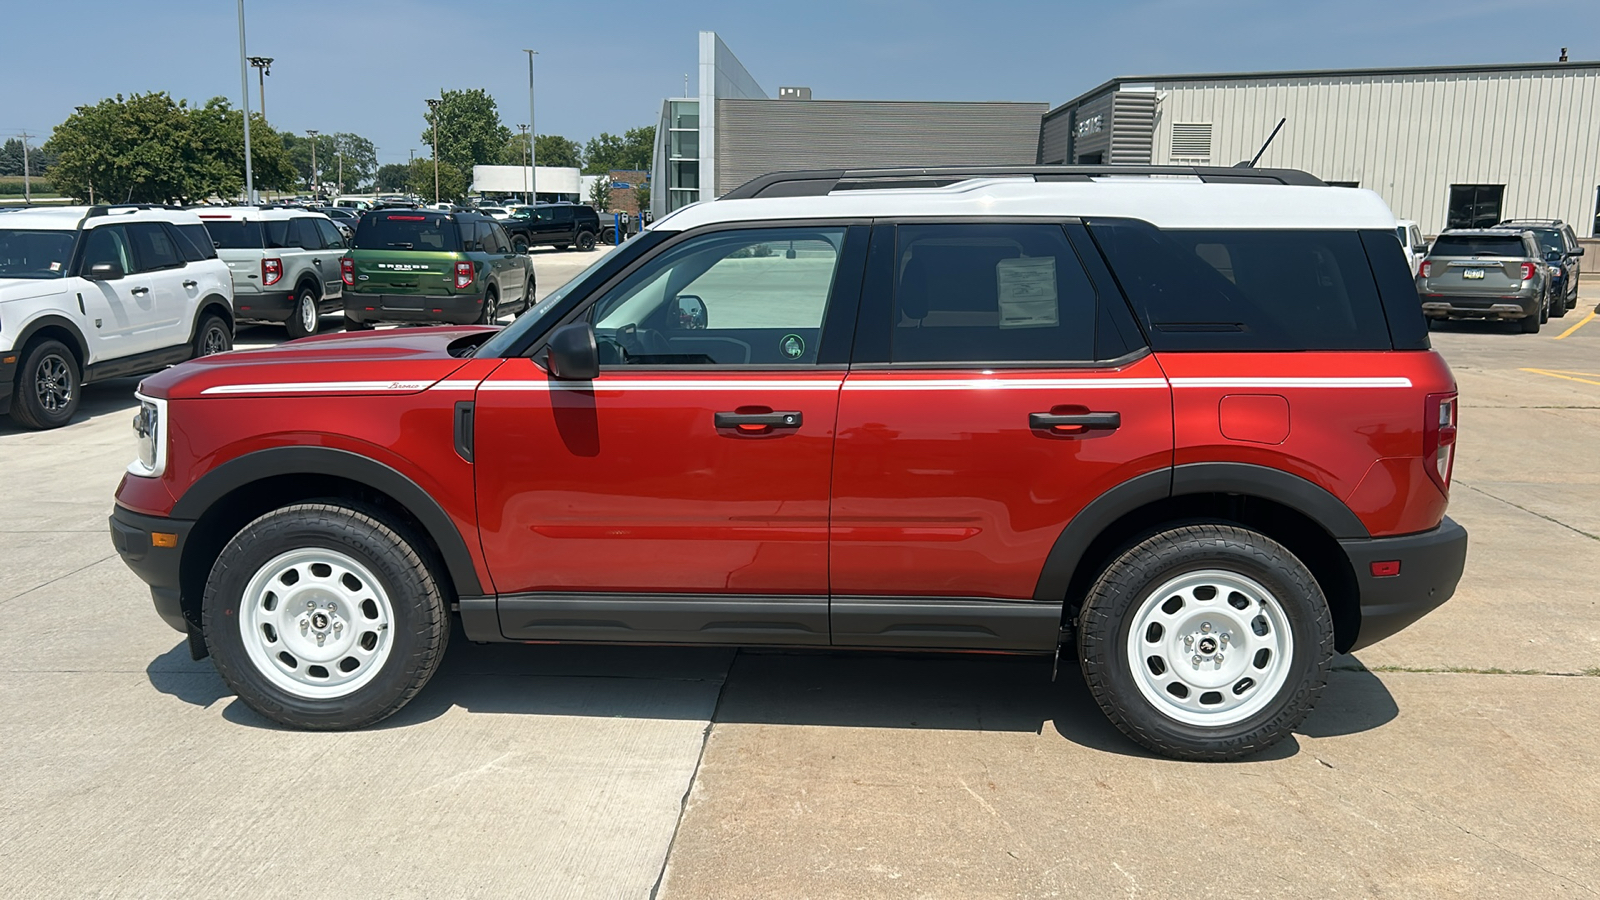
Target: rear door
(998,386)
(333,247)
(682,494)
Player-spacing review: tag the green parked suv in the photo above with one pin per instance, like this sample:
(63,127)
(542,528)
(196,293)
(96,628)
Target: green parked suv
(422,266)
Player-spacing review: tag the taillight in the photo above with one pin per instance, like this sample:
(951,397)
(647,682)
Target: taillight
(1439,438)
(271,271)
(347,270)
(464,276)
(1427,269)
(1528,270)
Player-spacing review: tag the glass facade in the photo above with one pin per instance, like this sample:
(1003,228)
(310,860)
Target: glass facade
(683,153)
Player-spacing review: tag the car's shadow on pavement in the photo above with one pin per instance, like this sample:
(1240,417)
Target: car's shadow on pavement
(859,689)
(97,399)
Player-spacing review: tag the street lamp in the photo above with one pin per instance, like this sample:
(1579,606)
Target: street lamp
(313,132)
(263,66)
(340,154)
(527,171)
(244,88)
(533,132)
(433,109)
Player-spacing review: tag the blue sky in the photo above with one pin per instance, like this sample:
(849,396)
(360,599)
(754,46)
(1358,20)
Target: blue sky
(366,65)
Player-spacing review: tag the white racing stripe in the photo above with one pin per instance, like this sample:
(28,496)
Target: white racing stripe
(1003,384)
(320,387)
(1291,382)
(606,384)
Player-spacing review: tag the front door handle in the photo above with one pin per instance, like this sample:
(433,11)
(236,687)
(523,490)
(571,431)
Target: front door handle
(191,284)
(140,290)
(1077,422)
(757,423)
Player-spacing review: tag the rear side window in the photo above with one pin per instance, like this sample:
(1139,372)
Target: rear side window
(228,234)
(1506,245)
(194,242)
(400,231)
(990,292)
(1245,289)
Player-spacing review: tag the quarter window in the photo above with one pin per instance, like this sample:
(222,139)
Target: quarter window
(749,297)
(990,293)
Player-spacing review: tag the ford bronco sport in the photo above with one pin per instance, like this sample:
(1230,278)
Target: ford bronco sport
(425,266)
(1188,427)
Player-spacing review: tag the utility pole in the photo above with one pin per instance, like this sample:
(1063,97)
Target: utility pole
(527,189)
(263,65)
(313,132)
(533,135)
(27,190)
(433,108)
(340,154)
(244,88)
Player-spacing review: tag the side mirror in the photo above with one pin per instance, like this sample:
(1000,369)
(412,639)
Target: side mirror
(1578,252)
(573,353)
(1552,256)
(106,271)
(690,313)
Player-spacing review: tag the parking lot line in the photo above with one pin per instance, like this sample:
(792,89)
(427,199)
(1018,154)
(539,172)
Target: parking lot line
(1579,324)
(1570,376)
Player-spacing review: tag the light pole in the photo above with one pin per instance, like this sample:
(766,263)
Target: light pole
(263,66)
(244,88)
(528,172)
(313,132)
(433,109)
(340,154)
(533,135)
(27,188)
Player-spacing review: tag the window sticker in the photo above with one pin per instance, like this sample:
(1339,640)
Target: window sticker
(1027,291)
(55,267)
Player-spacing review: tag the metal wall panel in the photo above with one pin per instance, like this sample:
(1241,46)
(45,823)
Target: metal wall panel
(1409,136)
(1133,124)
(755,137)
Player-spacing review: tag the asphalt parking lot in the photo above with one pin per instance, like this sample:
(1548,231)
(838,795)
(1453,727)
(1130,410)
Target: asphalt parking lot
(1455,759)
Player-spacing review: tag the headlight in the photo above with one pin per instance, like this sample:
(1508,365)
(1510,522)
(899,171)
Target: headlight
(150,427)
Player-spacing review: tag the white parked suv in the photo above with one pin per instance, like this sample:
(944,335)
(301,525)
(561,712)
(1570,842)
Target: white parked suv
(285,264)
(89,293)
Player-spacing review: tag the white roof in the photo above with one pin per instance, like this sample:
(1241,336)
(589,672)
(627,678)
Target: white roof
(68,218)
(255,213)
(1164,202)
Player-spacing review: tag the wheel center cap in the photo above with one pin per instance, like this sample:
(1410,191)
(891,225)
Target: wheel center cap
(320,620)
(1208,645)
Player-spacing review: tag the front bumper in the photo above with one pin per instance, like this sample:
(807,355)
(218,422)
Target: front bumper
(8,379)
(1443,305)
(1430,567)
(156,566)
(449,309)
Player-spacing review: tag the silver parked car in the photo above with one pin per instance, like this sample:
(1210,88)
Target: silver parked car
(1486,273)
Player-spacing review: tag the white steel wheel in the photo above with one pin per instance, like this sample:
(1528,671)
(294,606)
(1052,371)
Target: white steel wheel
(316,623)
(1210,648)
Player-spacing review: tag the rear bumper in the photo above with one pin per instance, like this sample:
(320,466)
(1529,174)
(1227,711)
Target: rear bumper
(265,306)
(1442,305)
(450,309)
(1430,567)
(8,380)
(155,566)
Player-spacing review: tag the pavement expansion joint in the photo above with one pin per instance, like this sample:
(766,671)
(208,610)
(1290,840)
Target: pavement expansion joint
(1551,519)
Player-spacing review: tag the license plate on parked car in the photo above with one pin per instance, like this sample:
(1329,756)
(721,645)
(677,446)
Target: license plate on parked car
(1472,274)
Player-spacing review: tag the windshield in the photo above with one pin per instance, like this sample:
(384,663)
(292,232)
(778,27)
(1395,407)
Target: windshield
(406,231)
(598,271)
(1550,239)
(228,234)
(1400,232)
(1506,245)
(34,254)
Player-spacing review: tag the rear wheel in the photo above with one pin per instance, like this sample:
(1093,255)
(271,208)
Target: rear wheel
(1206,642)
(491,308)
(323,617)
(1530,324)
(303,320)
(213,336)
(562,247)
(48,386)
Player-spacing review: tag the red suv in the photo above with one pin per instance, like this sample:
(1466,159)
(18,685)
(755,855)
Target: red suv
(1187,422)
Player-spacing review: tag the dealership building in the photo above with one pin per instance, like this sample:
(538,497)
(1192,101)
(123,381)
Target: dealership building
(1446,146)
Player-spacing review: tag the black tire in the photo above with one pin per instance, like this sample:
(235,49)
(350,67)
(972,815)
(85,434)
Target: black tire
(519,244)
(1204,551)
(352,325)
(1544,309)
(420,624)
(305,307)
(491,308)
(212,336)
(48,386)
(1559,306)
(1530,324)
(585,241)
(562,247)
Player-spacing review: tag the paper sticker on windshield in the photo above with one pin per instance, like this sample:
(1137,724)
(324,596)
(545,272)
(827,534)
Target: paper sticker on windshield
(1027,290)
(55,267)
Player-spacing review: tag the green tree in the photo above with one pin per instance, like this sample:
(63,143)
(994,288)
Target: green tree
(641,198)
(395,177)
(632,150)
(453,182)
(38,160)
(554,150)
(470,133)
(600,194)
(360,157)
(220,129)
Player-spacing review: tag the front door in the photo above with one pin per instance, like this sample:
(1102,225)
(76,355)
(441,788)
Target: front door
(682,494)
(996,390)
(121,312)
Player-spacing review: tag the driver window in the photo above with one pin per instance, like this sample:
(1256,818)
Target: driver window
(748,297)
(108,244)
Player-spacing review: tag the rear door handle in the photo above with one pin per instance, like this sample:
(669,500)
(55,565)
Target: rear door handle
(1091,421)
(316,261)
(757,421)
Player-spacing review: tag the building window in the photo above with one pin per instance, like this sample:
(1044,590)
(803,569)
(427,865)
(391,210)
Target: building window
(683,154)
(1092,159)
(1474,205)
(1596,231)
(1191,141)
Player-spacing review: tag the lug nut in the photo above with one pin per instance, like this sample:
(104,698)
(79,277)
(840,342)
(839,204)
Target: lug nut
(1205,627)
(1219,659)
(311,604)
(1188,640)
(1197,661)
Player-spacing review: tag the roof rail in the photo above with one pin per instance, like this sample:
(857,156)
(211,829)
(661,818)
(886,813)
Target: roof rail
(1531,222)
(105,209)
(818,182)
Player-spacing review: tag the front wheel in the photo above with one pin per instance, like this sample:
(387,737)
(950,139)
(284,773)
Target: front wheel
(1206,642)
(48,386)
(323,617)
(519,244)
(213,336)
(586,241)
(491,309)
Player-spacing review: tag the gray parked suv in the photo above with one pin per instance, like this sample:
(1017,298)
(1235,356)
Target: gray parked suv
(1486,273)
(1561,251)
